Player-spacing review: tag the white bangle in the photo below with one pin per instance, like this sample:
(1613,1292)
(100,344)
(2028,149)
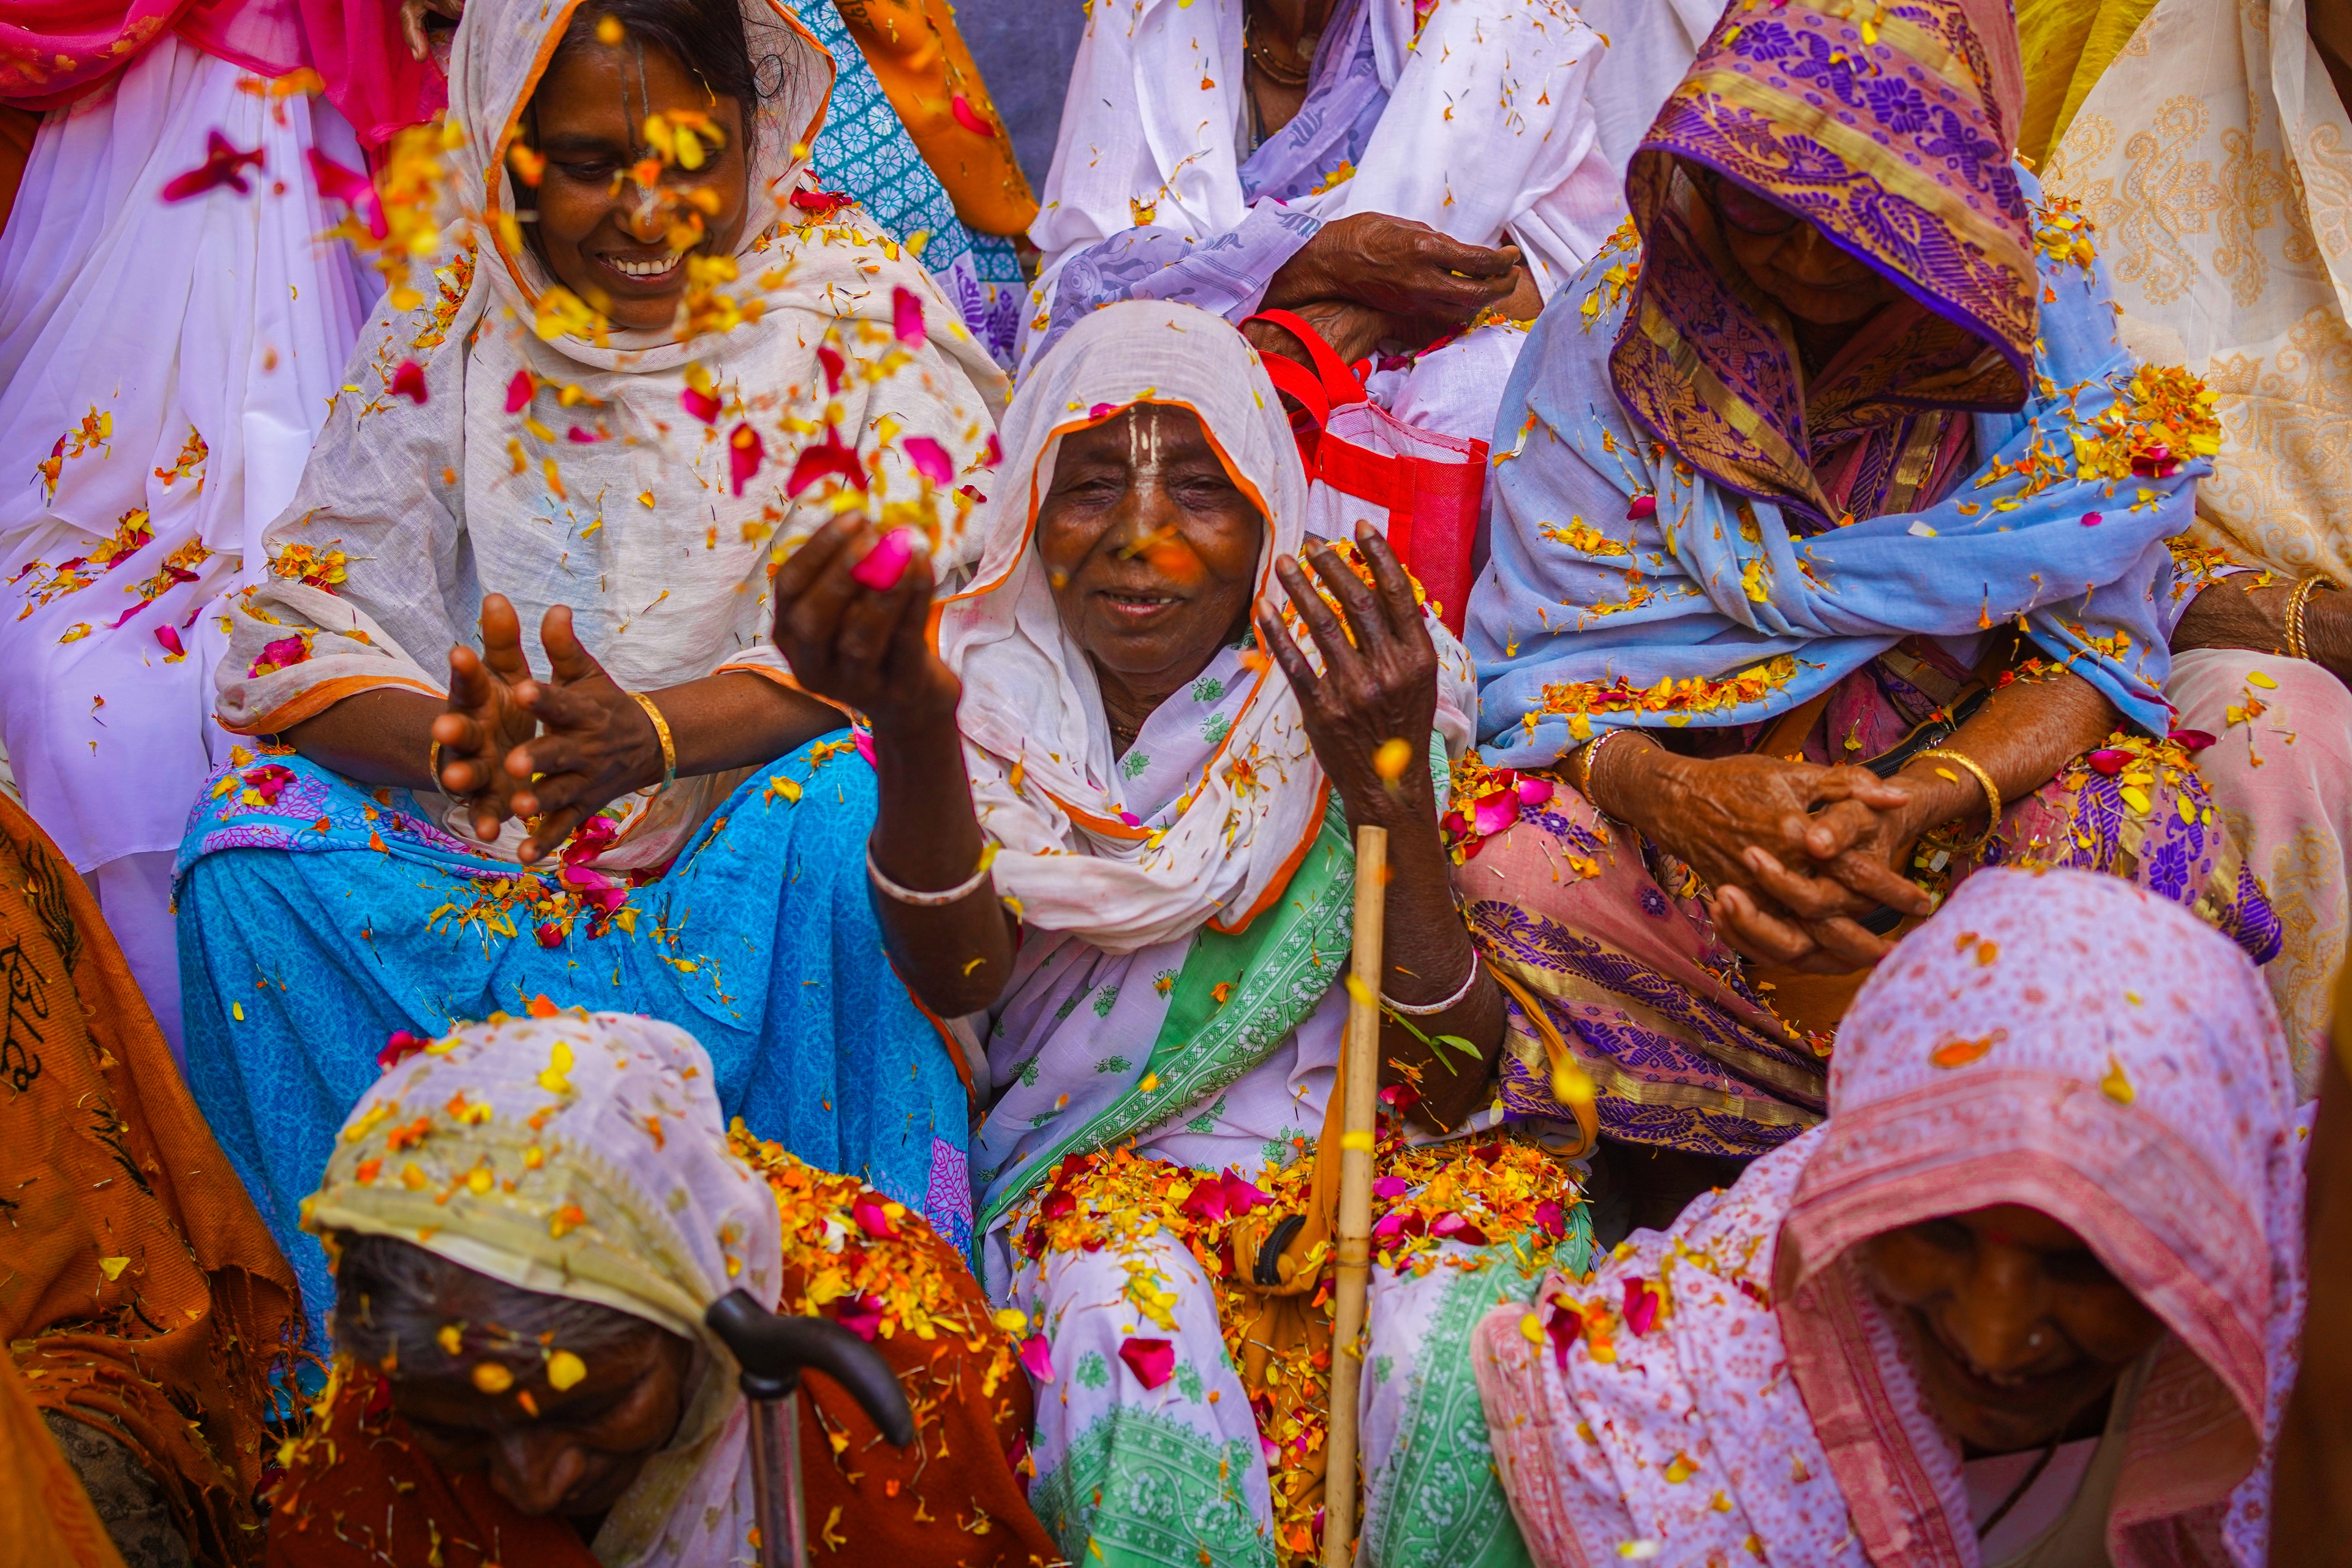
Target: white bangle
(892,890)
(1393,1005)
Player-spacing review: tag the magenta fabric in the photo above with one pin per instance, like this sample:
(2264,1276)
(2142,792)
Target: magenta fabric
(55,52)
(2113,1063)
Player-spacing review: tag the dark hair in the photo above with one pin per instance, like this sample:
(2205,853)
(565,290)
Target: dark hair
(393,1298)
(706,37)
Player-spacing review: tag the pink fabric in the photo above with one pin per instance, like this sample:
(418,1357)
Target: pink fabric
(55,52)
(1770,1409)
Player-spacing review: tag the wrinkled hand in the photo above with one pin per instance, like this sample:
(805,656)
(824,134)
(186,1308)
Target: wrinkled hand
(1353,330)
(1381,688)
(865,649)
(596,744)
(412,21)
(485,720)
(1793,850)
(1404,268)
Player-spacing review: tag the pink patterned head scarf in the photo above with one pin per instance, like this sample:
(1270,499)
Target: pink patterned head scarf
(1732,1387)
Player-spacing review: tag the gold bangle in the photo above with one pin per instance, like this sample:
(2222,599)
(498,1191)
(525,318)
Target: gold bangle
(2295,602)
(432,766)
(661,728)
(1993,791)
(1587,757)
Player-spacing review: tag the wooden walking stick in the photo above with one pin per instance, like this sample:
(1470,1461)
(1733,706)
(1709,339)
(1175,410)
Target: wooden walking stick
(1361,1062)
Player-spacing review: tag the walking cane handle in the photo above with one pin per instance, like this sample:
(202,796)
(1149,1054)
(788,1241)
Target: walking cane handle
(775,1350)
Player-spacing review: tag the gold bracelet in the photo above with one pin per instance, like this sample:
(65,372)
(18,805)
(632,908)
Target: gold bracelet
(1585,758)
(1993,791)
(432,766)
(661,728)
(2295,602)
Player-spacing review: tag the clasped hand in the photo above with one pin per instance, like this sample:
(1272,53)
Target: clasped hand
(1368,277)
(551,752)
(1793,850)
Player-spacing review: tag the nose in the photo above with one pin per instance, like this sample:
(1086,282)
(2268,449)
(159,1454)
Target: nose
(1998,1320)
(641,214)
(534,1471)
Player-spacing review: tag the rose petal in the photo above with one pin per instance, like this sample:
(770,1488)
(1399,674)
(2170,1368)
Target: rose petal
(906,317)
(886,562)
(1038,1358)
(833,367)
(826,456)
(521,389)
(2093,520)
(1241,1196)
(1533,791)
(408,381)
(399,1048)
(745,452)
(968,117)
(928,458)
(1153,1362)
(1644,506)
(2108,761)
(2190,740)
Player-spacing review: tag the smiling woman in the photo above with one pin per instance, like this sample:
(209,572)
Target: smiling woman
(593,440)
(1136,868)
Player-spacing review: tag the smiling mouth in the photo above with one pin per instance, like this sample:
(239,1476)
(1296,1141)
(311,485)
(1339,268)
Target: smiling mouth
(1138,606)
(645,269)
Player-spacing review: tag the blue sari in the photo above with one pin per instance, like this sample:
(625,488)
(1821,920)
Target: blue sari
(319,918)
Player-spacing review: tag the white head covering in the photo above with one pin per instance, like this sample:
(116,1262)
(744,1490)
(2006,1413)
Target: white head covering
(1076,852)
(636,1203)
(619,502)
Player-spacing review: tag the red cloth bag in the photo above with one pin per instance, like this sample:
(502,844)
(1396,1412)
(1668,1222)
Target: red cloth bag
(1421,488)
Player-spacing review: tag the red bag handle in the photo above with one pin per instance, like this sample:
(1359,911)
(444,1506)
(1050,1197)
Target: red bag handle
(1340,386)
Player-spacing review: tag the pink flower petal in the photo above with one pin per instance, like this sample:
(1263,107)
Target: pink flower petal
(832,364)
(1496,812)
(929,458)
(1533,791)
(990,454)
(864,740)
(349,186)
(1153,1362)
(1241,1196)
(1038,1358)
(871,1219)
(1206,1202)
(970,117)
(1641,1307)
(1391,1187)
(701,404)
(408,381)
(1644,506)
(222,166)
(582,436)
(2190,740)
(521,390)
(886,562)
(745,452)
(399,1048)
(2109,762)
(1551,1218)
(549,934)
(171,641)
(862,1317)
(906,317)
(2091,519)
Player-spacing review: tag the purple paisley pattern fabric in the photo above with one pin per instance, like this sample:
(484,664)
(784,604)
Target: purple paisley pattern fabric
(1891,138)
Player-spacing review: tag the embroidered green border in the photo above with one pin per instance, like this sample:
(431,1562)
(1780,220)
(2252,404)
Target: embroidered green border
(1277,969)
(1138,1489)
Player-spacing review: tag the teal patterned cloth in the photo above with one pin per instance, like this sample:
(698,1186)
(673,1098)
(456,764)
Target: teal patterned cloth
(864,151)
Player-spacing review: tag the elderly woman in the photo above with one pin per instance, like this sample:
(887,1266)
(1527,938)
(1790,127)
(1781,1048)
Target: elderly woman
(1828,545)
(1358,162)
(2029,1298)
(529,1218)
(594,806)
(1137,868)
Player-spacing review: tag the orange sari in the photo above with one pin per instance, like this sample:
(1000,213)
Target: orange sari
(145,1299)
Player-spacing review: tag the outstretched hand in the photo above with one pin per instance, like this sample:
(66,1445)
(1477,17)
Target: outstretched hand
(863,647)
(1380,687)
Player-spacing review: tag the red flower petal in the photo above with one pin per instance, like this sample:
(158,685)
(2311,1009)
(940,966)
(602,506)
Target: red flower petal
(1644,506)
(1038,1358)
(826,456)
(745,452)
(701,404)
(223,165)
(519,392)
(399,1048)
(171,641)
(1153,1362)
(349,186)
(929,458)
(408,381)
(832,367)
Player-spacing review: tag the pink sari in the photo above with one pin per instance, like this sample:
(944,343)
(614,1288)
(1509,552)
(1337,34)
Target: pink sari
(55,52)
(1732,1391)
